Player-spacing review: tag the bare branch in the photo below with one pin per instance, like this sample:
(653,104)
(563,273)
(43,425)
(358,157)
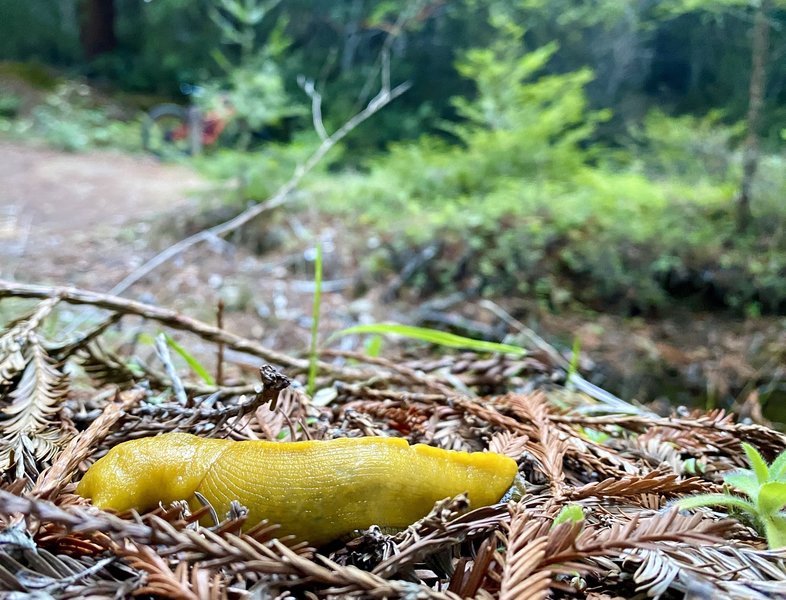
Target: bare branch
(282,195)
(316,105)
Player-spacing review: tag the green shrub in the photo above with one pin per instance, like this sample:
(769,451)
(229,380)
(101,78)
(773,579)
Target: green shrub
(71,119)
(521,206)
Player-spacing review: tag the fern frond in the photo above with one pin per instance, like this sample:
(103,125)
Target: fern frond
(523,574)
(633,485)
(663,527)
(14,341)
(105,367)
(30,433)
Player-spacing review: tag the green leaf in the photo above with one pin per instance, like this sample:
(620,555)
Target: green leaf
(192,362)
(432,336)
(374,346)
(569,513)
(758,464)
(691,466)
(778,467)
(717,500)
(599,437)
(775,529)
(772,498)
(745,481)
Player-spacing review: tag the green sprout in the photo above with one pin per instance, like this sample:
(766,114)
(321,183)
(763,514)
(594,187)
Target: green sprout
(313,354)
(570,513)
(765,490)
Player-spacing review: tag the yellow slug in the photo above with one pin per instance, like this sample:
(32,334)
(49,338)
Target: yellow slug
(317,491)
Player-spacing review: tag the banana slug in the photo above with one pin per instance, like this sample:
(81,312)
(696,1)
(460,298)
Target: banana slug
(318,491)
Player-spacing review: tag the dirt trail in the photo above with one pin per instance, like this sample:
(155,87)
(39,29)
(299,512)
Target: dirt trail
(89,219)
(66,216)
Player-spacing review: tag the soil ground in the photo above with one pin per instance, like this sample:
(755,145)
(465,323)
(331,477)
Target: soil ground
(89,219)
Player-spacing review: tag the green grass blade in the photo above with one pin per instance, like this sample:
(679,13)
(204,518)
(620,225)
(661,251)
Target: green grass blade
(432,336)
(312,351)
(374,346)
(573,368)
(192,362)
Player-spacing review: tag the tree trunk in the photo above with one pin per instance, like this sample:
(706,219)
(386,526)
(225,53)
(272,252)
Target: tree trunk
(758,84)
(97,27)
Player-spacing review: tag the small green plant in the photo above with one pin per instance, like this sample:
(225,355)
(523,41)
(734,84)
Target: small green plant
(312,351)
(197,367)
(765,488)
(570,513)
(573,368)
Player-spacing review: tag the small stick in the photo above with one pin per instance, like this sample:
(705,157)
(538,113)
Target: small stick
(162,349)
(220,356)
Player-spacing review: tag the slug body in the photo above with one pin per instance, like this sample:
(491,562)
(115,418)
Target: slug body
(317,491)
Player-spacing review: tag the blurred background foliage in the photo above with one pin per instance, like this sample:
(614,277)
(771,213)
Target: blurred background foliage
(622,154)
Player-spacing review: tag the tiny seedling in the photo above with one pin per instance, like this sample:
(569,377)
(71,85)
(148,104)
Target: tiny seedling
(573,368)
(313,355)
(192,362)
(570,513)
(764,488)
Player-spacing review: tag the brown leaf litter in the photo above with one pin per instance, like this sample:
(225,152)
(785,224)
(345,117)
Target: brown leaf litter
(64,407)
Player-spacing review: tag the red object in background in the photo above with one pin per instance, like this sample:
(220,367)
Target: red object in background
(212,126)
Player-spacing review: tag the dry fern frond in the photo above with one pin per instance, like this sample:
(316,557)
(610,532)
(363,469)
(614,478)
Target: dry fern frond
(638,533)
(483,568)
(29,431)
(418,542)
(724,562)
(659,453)
(656,574)
(509,444)
(59,474)
(105,367)
(652,482)
(161,581)
(13,343)
(549,446)
(721,569)
(43,574)
(523,573)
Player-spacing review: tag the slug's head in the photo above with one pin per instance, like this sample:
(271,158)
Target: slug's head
(141,473)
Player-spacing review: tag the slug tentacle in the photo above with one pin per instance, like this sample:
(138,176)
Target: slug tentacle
(317,491)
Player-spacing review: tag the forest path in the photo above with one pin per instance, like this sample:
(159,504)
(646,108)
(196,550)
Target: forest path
(81,218)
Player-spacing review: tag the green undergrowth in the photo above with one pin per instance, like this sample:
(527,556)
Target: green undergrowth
(604,237)
(70,116)
(521,198)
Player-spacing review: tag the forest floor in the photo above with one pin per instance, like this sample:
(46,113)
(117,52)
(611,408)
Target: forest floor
(89,219)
